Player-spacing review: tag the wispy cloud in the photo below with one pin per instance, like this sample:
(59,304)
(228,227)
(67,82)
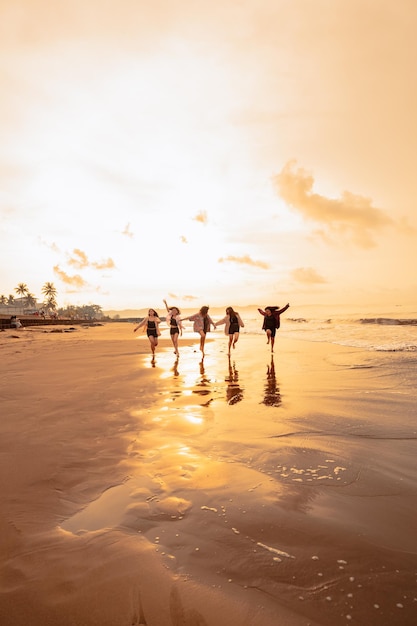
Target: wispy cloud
(307,275)
(201,217)
(186,298)
(352,216)
(75,281)
(244,260)
(80,260)
(52,246)
(127,232)
(104,265)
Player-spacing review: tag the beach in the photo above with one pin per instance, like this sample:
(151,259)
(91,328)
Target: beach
(254,490)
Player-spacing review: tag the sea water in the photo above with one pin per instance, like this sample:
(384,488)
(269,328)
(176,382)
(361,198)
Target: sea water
(386,330)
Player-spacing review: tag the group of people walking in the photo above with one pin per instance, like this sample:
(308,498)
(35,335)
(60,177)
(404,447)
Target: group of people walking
(202,324)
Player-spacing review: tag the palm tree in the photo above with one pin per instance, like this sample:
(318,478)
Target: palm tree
(30,300)
(51,303)
(10,300)
(49,291)
(22,290)
(3,300)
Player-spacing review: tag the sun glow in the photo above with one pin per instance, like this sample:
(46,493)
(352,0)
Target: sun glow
(158,146)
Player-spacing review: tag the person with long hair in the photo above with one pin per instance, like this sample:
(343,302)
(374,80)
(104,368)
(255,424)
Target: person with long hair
(151,324)
(202,323)
(272,322)
(174,322)
(233,323)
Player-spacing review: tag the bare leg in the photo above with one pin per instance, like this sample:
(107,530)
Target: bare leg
(272,343)
(154,342)
(268,334)
(175,343)
(230,343)
(202,341)
(235,339)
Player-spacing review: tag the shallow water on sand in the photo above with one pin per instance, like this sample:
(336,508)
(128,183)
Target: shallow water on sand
(290,478)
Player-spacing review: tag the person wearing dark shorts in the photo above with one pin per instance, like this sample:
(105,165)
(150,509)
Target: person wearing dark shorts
(202,323)
(233,324)
(173,320)
(272,322)
(151,324)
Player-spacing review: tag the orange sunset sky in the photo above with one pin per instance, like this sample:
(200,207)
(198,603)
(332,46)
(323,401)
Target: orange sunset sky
(220,152)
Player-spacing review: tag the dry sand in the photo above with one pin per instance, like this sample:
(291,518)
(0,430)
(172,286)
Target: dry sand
(251,491)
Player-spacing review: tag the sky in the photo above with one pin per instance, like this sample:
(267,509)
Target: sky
(219,152)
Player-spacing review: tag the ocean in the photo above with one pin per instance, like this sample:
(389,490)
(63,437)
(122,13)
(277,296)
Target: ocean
(385,330)
(381,333)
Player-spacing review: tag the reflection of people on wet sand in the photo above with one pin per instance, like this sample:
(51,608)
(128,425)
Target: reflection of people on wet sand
(175,368)
(151,324)
(272,395)
(234,392)
(175,325)
(202,322)
(203,385)
(233,323)
(272,322)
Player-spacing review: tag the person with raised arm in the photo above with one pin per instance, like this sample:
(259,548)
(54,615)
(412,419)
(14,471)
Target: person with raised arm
(174,322)
(272,322)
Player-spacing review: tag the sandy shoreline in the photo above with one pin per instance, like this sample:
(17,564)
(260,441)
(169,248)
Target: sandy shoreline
(249,491)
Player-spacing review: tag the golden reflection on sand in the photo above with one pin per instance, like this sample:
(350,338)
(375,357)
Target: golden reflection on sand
(285,492)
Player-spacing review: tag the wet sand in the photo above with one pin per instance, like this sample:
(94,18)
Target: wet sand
(254,490)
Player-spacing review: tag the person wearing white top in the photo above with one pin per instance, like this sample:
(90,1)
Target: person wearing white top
(233,323)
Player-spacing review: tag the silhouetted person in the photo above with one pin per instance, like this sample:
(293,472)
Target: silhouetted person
(234,392)
(272,395)
(272,322)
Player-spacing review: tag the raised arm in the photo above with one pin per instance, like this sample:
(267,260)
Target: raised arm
(284,308)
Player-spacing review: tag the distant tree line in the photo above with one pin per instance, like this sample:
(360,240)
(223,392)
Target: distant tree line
(27,301)
(85,312)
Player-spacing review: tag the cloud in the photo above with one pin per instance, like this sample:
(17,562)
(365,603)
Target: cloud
(76,280)
(201,217)
(127,232)
(187,298)
(183,239)
(80,261)
(52,246)
(104,265)
(307,275)
(244,260)
(351,216)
